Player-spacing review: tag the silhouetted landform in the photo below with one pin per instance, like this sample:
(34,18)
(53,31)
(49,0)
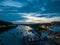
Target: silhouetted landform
(41,27)
(38,27)
(5,26)
(56,23)
(46,25)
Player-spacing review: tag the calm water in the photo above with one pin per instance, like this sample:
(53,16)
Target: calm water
(19,35)
(55,29)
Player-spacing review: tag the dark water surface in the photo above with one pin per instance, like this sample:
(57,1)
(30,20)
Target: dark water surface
(19,36)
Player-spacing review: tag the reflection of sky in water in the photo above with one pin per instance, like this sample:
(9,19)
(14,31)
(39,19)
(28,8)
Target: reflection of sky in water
(11,38)
(56,29)
(26,11)
(15,36)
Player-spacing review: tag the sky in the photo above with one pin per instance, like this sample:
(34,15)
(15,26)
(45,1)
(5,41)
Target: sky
(30,10)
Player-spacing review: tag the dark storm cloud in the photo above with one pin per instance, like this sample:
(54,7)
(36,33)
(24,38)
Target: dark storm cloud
(10,17)
(49,15)
(53,7)
(31,6)
(45,6)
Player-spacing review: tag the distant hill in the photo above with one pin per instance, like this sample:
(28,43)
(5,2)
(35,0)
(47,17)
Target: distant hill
(6,26)
(4,22)
(56,23)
